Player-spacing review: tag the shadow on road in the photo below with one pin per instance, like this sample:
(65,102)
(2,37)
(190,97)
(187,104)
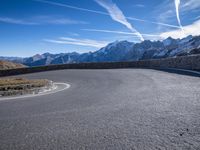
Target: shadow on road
(181,72)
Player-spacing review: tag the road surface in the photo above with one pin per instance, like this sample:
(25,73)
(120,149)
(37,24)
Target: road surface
(106,109)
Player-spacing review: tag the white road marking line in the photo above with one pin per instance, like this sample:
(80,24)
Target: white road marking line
(40,94)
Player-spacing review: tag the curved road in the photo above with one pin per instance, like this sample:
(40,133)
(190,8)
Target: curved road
(106,109)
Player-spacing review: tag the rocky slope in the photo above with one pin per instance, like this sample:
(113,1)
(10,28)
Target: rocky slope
(4,65)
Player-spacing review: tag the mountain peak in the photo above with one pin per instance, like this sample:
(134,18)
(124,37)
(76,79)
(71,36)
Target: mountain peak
(168,41)
(121,51)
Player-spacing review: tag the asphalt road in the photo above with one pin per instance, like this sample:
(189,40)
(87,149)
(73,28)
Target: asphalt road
(106,109)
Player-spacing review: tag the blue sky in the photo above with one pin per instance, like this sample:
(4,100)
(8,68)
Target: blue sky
(28,27)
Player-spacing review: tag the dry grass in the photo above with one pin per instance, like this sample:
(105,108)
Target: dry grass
(21,82)
(4,65)
(22,86)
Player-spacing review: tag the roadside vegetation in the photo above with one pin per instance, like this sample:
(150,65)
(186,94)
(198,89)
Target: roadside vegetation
(20,86)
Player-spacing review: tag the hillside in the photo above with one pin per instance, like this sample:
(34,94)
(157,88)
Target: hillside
(4,65)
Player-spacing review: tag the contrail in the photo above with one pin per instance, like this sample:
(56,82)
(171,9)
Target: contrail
(102,13)
(117,15)
(177,5)
(70,6)
(119,32)
(153,22)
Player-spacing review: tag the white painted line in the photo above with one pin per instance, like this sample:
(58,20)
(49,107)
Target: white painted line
(52,91)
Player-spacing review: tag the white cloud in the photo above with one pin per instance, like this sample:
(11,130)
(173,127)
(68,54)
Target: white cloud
(198,17)
(70,6)
(40,20)
(120,32)
(167,12)
(16,21)
(117,15)
(82,42)
(139,5)
(65,21)
(73,34)
(56,20)
(103,13)
(192,29)
(153,22)
(190,5)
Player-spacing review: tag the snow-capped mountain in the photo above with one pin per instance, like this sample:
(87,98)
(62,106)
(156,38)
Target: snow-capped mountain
(180,47)
(119,51)
(144,50)
(112,52)
(48,59)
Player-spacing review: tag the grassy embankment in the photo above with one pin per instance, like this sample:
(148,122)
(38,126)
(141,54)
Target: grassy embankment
(20,86)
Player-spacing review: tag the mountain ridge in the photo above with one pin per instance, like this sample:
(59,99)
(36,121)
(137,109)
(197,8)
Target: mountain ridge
(119,51)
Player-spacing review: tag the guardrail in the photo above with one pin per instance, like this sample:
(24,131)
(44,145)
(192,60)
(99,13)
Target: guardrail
(191,62)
